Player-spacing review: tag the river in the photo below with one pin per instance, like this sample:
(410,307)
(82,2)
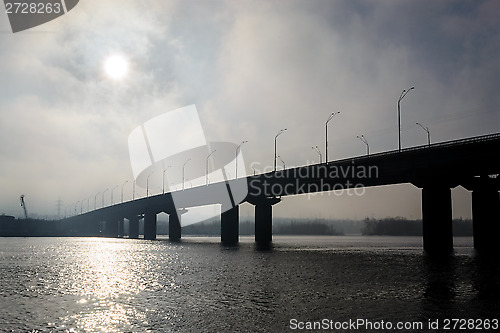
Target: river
(197,285)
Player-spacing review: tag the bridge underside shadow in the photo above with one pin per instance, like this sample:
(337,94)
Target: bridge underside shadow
(437,215)
(485,214)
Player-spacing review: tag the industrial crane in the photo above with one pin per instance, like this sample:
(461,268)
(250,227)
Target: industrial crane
(23,204)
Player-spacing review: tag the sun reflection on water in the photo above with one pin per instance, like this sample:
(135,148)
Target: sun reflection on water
(107,276)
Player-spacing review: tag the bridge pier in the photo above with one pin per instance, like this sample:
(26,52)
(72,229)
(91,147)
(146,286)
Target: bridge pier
(229,226)
(437,219)
(133,227)
(174,226)
(111,228)
(121,228)
(150,225)
(264,221)
(485,215)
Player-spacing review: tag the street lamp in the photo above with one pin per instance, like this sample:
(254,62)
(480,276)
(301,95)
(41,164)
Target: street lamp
(183,167)
(147,184)
(163,179)
(112,194)
(206,166)
(326,134)
(253,171)
(362,138)
(88,202)
(275,138)
(319,152)
(95,200)
(121,196)
(103,196)
(428,133)
(403,94)
(284,166)
(236,157)
(76,204)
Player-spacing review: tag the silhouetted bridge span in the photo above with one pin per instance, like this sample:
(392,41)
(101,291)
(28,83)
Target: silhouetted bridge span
(473,163)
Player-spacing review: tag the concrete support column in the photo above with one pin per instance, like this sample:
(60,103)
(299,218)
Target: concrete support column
(486,217)
(230,226)
(263,223)
(150,225)
(174,227)
(95,229)
(90,228)
(264,220)
(111,228)
(436,219)
(121,228)
(133,227)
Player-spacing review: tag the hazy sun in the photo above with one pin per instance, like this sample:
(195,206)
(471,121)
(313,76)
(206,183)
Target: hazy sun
(116,67)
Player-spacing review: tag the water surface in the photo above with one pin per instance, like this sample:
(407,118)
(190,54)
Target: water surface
(197,285)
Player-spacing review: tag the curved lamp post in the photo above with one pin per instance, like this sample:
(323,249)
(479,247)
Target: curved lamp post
(428,133)
(103,196)
(362,138)
(121,195)
(284,166)
(206,166)
(163,178)
(236,157)
(275,139)
(326,133)
(319,153)
(147,184)
(403,94)
(112,190)
(95,200)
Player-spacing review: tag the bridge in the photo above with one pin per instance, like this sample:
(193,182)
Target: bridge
(473,163)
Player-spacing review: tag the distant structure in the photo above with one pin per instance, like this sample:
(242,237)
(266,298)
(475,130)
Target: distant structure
(23,204)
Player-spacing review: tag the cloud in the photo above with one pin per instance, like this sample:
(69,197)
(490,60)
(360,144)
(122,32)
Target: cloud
(252,68)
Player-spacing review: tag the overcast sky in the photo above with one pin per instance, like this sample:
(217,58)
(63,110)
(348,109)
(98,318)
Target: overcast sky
(251,68)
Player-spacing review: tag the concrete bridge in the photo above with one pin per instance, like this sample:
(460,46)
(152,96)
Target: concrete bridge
(473,163)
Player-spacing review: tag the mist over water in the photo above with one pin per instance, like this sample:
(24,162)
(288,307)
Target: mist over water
(119,285)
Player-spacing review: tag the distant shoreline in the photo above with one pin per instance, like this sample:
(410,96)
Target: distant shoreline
(12,227)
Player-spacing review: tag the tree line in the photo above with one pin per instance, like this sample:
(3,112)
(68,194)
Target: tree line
(400,226)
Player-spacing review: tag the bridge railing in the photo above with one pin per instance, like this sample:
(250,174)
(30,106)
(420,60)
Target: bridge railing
(482,138)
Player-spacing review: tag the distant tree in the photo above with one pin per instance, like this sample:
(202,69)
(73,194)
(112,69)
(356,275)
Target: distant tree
(399,226)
